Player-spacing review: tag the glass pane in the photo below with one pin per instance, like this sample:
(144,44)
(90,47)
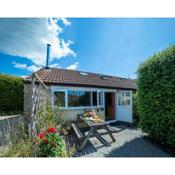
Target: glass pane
(59,99)
(79,98)
(124,98)
(100,96)
(94,98)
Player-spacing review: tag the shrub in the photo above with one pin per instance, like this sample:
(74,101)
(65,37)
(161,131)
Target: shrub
(156,96)
(135,109)
(46,116)
(50,143)
(11,94)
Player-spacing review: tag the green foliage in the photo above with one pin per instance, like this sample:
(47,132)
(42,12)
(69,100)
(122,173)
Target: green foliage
(156,96)
(46,116)
(50,143)
(135,108)
(11,95)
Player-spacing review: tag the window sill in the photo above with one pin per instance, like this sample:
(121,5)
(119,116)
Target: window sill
(124,106)
(79,108)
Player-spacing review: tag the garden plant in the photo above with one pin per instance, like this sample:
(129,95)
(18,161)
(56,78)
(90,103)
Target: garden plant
(156,96)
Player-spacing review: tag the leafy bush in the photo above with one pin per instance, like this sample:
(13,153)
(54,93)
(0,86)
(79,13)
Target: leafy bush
(50,143)
(156,96)
(135,109)
(11,95)
(46,116)
(49,117)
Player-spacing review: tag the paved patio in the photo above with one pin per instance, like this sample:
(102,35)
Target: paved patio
(130,142)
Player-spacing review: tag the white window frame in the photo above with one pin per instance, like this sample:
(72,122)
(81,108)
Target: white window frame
(66,89)
(125,91)
(101,93)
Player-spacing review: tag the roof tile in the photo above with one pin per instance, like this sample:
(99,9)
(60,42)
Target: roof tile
(72,77)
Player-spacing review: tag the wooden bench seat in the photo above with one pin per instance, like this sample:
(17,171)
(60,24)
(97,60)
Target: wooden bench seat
(77,131)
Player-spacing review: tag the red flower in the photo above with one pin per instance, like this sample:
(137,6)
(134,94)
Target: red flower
(45,141)
(52,130)
(41,135)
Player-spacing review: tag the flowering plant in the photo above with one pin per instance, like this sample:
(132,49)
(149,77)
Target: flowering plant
(50,143)
(51,130)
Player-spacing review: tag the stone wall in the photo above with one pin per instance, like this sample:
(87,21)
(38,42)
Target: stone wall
(43,95)
(27,102)
(9,127)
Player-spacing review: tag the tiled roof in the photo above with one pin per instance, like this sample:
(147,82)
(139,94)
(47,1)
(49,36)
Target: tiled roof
(80,78)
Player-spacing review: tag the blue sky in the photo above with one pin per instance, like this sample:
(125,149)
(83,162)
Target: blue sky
(114,46)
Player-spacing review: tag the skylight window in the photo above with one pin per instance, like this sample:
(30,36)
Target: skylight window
(83,73)
(104,77)
(123,79)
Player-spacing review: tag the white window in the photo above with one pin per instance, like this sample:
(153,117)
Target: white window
(59,98)
(70,98)
(83,73)
(124,98)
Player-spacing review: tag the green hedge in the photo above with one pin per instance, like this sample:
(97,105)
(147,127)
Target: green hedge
(156,96)
(11,94)
(135,109)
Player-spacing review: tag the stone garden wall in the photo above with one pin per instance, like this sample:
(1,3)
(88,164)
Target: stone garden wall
(43,95)
(27,102)
(9,127)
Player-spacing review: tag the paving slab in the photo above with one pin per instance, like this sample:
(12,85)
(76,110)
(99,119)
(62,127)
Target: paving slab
(130,142)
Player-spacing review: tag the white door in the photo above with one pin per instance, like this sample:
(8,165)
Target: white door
(124,106)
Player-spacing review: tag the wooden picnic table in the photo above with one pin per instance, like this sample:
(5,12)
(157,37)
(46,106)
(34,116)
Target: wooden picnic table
(93,130)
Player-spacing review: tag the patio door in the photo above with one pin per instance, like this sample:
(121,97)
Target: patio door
(124,106)
(109,106)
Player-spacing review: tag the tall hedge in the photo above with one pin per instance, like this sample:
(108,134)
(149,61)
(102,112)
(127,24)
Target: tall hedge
(156,96)
(11,94)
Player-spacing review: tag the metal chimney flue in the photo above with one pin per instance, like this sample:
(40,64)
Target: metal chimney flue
(48,56)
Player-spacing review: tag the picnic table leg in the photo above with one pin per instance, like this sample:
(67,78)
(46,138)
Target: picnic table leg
(109,132)
(86,138)
(100,138)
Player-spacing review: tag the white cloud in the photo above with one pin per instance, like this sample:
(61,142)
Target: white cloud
(27,37)
(55,65)
(19,65)
(23,76)
(66,22)
(73,66)
(32,68)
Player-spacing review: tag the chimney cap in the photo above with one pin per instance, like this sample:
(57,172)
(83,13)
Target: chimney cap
(48,44)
